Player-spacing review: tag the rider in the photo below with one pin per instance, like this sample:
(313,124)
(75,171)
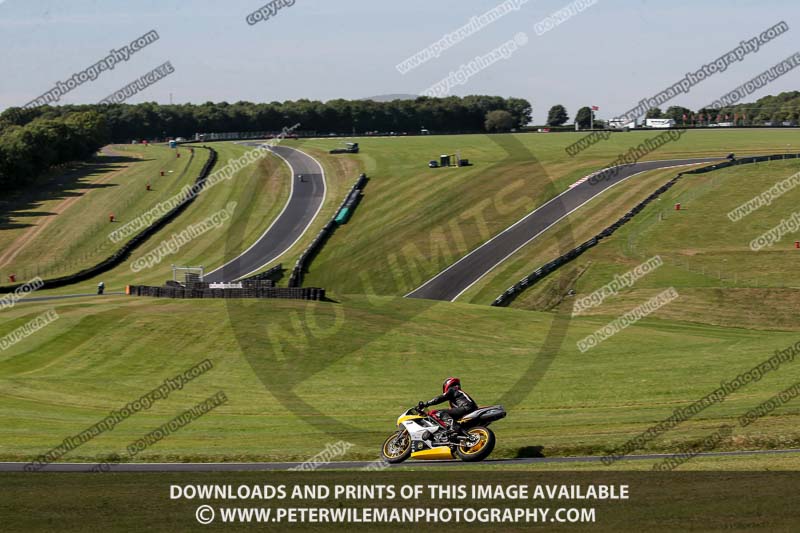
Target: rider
(461,404)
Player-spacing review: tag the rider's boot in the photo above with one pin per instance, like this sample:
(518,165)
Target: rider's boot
(455,431)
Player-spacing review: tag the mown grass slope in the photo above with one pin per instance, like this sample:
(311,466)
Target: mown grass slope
(707,256)
(299,375)
(415,221)
(63,225)
(258,192)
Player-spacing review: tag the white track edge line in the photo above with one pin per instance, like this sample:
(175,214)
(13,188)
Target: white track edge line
(313,218)
(515,224)
(559,220)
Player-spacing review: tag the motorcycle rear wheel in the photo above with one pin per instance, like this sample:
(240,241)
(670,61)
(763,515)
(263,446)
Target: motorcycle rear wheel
(480,450)
(397,448)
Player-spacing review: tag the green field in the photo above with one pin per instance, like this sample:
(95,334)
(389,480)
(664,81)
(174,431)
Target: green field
(706,255)
(302,374)
(415,221)
(62,225)
(299,375)
(259,192)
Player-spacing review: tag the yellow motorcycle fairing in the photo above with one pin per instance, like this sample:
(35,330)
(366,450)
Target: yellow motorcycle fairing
(438,452)
(405,418)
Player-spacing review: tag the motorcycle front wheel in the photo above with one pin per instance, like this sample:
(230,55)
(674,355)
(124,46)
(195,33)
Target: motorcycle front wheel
(397,448)
(481,449)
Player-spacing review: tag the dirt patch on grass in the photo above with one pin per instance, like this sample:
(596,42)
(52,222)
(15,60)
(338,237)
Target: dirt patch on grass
(29,235)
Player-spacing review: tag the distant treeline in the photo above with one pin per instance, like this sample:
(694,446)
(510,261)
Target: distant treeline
(149,120)
(784,107)
(779,108)
(29,149)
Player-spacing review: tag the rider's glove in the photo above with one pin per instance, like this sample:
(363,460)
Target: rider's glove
(422,405)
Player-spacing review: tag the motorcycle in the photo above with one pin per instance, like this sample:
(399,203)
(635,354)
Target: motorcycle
(422,435)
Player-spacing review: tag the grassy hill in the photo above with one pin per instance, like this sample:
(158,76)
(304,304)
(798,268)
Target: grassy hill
(415,221)
(706,255)
(62,226)
(259,192)
(299,375)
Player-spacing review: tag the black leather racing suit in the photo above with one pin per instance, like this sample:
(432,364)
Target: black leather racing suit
(460,404)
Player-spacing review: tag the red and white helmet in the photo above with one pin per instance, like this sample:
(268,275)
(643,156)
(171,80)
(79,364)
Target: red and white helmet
(450,382)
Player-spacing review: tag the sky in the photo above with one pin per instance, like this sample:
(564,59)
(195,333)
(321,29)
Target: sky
(611,54)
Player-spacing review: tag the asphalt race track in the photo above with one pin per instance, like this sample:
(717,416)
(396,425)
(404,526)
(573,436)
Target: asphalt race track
(305,201)
(347,465)
(451,282)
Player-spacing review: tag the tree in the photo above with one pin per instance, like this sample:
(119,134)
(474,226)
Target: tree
(499,120)
(778,117)
(677,113)
(521,110)
(584,117)
(654,112)
(557,115)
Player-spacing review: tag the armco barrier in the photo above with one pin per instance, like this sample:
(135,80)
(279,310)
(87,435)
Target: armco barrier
(512,292)
(296,279)
(118,257)
(307,293)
